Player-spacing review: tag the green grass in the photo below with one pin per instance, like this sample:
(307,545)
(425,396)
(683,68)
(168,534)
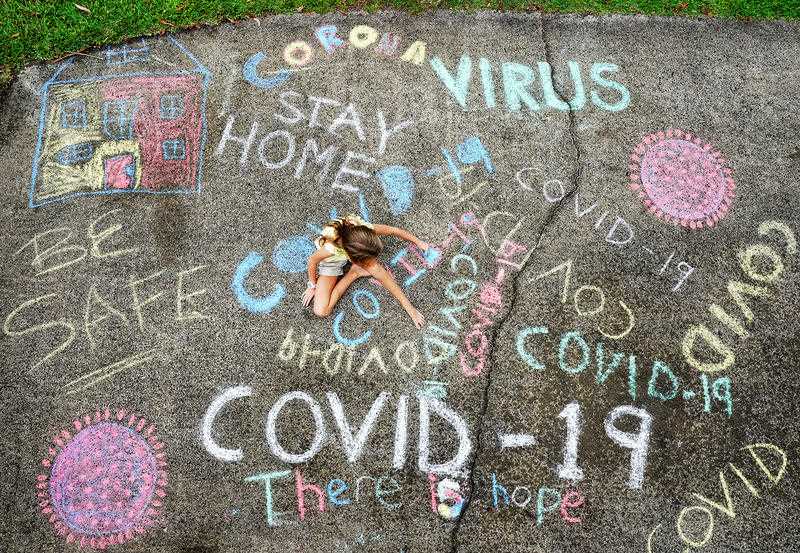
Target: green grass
(33,30)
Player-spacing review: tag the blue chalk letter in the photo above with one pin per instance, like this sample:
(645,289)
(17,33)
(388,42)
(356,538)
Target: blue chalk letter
(597,76)
(541,509)
(339,489)
(552,98)
(516,79)
(660,368)
(337,333)
(523,353)
(267,479)
(498,488)
(254,305)
(328,39)
(459,86)
(250,73)
(566,338)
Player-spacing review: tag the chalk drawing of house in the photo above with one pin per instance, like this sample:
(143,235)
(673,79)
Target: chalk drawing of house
(131,119)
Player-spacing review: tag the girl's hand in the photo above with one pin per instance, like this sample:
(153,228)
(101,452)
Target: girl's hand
(429,252)
(417,317)
(308,295)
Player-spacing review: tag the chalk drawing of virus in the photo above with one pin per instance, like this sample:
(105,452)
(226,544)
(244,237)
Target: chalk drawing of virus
(106,480)
(681,179)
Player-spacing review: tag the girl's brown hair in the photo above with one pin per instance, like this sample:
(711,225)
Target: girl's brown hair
(359,241)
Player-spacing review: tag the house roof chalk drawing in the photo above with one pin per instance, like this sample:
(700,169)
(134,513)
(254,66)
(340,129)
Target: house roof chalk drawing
(129,120)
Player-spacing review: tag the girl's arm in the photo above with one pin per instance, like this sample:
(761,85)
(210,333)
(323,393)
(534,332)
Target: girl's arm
(386,230)
(313,261)
(382,275)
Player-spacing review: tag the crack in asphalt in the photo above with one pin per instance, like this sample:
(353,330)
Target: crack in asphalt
(576,177)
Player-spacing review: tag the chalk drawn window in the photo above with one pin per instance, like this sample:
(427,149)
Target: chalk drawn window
(171,106)
(174,148)
(75,154)
(127,53)
(118,118)
(73,114)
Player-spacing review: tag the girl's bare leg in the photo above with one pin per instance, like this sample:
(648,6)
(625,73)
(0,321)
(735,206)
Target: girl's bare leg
(329,291)
(322,293)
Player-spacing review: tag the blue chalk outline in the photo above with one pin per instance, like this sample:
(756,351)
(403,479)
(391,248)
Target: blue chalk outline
(173,109)
(42,113)
(125,118)
(97,78)
(173,149)
(203,70)
(125,52)
(65,123)
(451,165)
(75,154)
(54,79)
(362,206)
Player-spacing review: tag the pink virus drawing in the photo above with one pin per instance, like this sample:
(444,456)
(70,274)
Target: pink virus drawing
(681,179)
(104,479)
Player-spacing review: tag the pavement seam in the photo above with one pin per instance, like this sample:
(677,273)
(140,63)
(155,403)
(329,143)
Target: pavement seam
(576,177)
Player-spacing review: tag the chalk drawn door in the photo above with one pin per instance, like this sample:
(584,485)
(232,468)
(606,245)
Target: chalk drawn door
(119,172)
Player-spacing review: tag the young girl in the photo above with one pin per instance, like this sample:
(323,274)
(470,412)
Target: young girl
(351,239)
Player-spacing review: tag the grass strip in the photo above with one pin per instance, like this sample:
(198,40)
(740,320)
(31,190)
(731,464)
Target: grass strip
(40,30)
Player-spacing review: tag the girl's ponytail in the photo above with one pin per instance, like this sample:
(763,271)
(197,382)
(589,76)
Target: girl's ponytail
(332,231)
(358,240)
